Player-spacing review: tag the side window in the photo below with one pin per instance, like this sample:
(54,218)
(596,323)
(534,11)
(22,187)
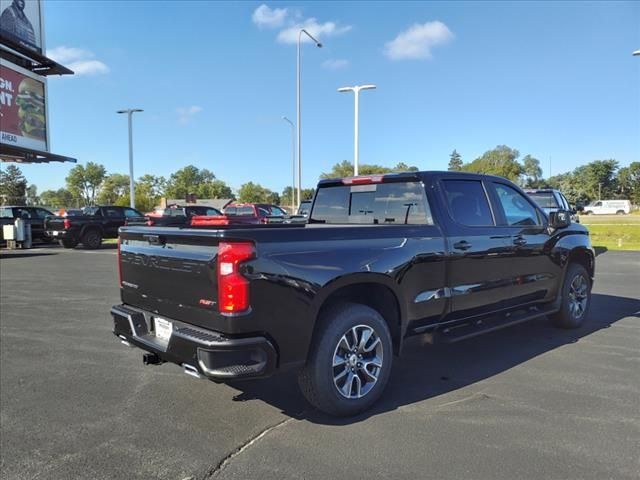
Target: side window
(278,212)
(565,202)
(113,213)
(517,210)
(130,212)
(230,211)
(211,212)
(6,212)
(263,212)
(468,203)
(597,204)
(245,211)
(22,213)
(42,213)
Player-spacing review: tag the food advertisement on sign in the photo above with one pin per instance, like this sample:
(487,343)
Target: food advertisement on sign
(21,22)
(23,108)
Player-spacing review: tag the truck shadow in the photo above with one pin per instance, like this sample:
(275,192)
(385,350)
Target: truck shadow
(427,371)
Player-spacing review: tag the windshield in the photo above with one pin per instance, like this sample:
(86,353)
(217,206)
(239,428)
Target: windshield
(545,199)
(386,203)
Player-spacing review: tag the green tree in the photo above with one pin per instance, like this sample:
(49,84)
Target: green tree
(192,180)
(32,195)
(13,186)
(501,161)
(532,171)
(285,196)
(84,182)
(345,169)
(455,161)
(114,187)
(629,182)
(255,193)
(61,198)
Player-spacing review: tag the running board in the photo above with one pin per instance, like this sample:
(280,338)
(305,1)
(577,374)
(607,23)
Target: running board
(474,328)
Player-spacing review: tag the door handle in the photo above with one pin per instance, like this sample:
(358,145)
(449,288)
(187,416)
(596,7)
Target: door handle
(519,241)
(462,245)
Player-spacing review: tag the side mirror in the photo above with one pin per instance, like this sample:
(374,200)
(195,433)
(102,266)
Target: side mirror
(560,219)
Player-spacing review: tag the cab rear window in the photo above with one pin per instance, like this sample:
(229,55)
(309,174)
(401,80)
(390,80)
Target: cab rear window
(402,203)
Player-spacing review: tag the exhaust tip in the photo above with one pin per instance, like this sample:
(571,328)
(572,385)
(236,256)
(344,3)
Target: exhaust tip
(191,370)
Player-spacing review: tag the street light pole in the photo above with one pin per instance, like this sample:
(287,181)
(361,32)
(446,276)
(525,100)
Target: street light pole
(132,193)
(298,107)
(356,141)
(293,165)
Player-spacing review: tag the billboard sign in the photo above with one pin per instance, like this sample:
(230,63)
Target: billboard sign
(21,22)
(23,108)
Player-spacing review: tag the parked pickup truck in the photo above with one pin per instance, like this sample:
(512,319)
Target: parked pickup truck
(34,216)
(176,215)
(444,254)
(90,228)
(242,214)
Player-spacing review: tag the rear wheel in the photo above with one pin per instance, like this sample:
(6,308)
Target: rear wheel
(92,239)
(576,298)
(68,243)
(349,362)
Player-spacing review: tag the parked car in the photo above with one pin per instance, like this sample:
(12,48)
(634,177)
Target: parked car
(383,257)
(601,207)
(243,214)
(34,216)
(551,200)
(90,228)
(302,213)
(176,215)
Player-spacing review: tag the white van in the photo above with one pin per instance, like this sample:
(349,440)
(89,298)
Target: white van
(600,207)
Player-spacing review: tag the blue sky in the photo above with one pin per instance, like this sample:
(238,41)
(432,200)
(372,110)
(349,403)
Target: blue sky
(552,79)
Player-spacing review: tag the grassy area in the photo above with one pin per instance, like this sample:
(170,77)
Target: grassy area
(609,219)
(615,237)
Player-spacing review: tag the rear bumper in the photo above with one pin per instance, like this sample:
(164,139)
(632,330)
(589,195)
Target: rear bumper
(58,234)
(209,353)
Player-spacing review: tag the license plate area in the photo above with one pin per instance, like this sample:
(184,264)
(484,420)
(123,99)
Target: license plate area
(162,328)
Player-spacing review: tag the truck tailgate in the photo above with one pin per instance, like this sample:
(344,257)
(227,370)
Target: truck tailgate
(171,272)
(54,223)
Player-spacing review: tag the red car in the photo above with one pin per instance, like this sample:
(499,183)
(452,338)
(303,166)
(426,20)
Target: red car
(242,214)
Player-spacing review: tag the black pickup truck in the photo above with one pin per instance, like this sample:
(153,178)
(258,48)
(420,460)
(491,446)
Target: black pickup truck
(90,228)
(443,254)
(34,216)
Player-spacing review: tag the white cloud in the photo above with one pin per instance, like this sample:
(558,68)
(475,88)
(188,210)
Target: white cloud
(416,42)
(311,25)
(186,114)
(263,16)
(81,61)
(335,63)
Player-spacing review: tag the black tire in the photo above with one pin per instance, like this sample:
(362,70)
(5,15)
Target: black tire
(68,243)
(92,239)
(620,212)
(317,380)
(569,316)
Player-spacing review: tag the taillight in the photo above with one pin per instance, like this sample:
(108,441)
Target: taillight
(119,265)
(150,223)
(233,288)
(264,220)
(67,224)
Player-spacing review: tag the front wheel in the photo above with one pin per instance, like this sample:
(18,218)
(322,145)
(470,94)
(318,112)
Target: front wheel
(349,362)
(576,298)
(620,212)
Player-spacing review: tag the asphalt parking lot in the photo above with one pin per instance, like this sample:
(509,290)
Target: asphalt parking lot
(528,402)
